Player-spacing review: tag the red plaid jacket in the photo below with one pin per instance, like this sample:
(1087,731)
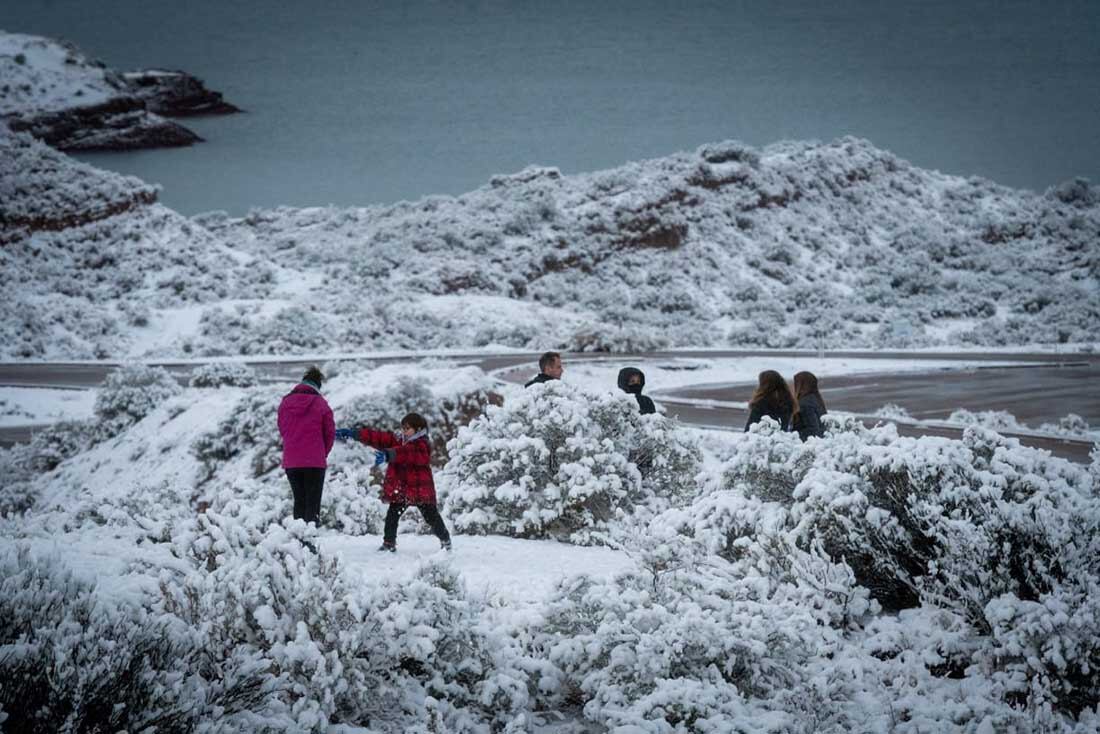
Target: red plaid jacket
(409,476)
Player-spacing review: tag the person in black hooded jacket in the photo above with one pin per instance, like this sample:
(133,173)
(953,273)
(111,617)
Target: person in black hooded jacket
(632,380)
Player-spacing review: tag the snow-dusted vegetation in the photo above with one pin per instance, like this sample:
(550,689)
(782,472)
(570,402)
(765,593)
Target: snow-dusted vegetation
(795,245)
(43,75)
(556,462)
(611,572)
(1071,426)
(858,582)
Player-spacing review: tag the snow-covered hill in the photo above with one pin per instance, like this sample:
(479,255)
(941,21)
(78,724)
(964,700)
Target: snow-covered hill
(801,244)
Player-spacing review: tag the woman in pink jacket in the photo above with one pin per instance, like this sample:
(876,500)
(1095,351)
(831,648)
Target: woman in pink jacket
(308,430)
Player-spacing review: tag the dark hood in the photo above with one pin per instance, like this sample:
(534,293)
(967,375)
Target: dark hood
(625,374)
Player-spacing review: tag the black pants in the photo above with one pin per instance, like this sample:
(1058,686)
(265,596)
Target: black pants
(307,484)
(430,513)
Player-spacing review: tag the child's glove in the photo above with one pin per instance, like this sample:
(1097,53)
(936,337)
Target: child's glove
(345,434)
(381,456)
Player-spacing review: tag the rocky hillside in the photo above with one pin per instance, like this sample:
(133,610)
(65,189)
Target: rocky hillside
(800,244)
(797,244)
(92,263)
(62,97)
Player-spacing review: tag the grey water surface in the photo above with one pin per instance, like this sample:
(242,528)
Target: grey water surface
(352,103)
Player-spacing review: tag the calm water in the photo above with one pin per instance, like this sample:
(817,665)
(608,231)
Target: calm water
(359,102)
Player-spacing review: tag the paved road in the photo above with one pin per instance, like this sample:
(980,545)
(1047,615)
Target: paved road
(1034,394)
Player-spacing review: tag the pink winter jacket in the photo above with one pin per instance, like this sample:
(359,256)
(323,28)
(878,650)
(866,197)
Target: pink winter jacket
(305,422)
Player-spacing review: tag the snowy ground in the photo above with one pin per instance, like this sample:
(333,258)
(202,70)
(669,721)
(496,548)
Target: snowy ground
(37,406)
(122,514)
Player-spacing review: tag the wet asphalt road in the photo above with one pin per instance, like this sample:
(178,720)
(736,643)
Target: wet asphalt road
(1034,394)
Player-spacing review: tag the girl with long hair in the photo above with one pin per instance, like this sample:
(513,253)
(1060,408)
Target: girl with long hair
(772,398)
(811,406)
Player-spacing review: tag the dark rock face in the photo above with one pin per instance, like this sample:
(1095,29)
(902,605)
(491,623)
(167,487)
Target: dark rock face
(122,123)
(131,120)
(176,94)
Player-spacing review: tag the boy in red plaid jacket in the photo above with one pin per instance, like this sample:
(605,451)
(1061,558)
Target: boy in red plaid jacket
(408,481)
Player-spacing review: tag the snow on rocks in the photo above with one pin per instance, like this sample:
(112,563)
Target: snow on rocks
(62,97)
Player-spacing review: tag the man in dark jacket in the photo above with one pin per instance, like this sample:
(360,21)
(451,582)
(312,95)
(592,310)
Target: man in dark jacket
(632,380)
(550,368)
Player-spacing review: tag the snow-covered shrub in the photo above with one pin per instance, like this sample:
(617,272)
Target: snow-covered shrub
(71,660)
(350,503)
(1094,467)
(218,374)
(893,412)
(952,524)
(769,460)
(327,649)
(252,426)
(996,420)
(684,643)
(129,394)
(17,492)
(603,337)
(1077,191)
(558,462)
(59,441)
(289,330)
(21,463)
(1047,650)
(1071,425)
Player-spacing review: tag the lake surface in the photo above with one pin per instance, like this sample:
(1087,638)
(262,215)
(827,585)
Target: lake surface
(352,103)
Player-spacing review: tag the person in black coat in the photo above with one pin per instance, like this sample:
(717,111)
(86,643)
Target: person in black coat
(811,406)
(632,380)
(772,398)
(550,368)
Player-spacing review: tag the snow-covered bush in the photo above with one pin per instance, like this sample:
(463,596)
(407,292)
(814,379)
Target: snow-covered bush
(326,649)
(558,462)
(1046,650)
(17,493)
(893,412)
(289,330)
(590,337)
(71,660)
(996,420)
(687,643)
(219,374)
(21,463)
(129,394)
(252,426)
(1070,425)
(349,502)
(981,527)
(59,441)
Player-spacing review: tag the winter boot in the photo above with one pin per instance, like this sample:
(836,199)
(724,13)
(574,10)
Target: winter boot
(445,545)
(391,547)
